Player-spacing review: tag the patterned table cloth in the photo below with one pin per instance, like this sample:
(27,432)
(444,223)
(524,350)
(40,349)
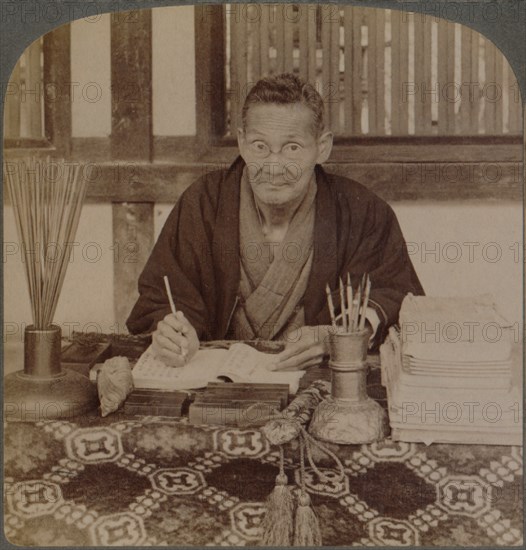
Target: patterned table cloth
(129,481)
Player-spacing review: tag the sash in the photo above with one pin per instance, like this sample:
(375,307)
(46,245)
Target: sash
(274,275)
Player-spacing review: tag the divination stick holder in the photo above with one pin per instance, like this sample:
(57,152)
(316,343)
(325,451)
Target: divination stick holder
(43,390)
(349,415)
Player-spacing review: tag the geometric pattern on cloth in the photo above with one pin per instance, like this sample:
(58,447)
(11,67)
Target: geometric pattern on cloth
(133,481)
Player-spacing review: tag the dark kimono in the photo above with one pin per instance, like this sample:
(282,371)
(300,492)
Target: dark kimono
(199,250)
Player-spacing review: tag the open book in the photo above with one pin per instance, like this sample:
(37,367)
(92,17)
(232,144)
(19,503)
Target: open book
(240,363)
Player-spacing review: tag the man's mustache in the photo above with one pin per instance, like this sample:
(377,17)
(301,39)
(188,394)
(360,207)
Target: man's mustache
(271,171)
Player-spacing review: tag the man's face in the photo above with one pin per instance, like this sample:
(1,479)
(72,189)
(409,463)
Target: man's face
(280,149)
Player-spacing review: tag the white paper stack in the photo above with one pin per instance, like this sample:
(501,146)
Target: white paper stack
(453,373)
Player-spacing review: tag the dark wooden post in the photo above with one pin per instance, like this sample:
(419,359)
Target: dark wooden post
(131,142)
(209,73)
(57,89)
(131,82)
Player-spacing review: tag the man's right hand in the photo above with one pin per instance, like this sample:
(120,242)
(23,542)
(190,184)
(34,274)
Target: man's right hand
(175,340)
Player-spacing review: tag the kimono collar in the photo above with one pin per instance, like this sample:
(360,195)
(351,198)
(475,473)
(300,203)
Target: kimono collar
(225,248)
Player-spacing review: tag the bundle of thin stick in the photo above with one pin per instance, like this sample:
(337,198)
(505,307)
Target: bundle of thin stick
(47,197)
(353,308)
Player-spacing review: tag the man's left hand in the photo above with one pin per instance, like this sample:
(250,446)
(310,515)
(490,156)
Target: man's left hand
(307,351)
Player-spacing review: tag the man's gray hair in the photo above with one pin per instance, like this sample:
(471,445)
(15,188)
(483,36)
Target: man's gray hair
(287,89)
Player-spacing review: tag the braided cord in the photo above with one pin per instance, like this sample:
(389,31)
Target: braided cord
(302,466)
(281,461)
(309,440)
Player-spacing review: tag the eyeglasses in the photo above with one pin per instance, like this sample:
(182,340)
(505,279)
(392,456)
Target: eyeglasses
(261,150)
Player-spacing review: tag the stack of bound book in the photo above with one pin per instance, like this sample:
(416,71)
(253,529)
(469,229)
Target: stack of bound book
(452,374)
(231,404)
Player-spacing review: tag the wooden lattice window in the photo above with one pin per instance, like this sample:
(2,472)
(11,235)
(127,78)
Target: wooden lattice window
(381,72)
(24,100)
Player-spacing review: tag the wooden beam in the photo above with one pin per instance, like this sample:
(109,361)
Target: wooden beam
(374,150)
(440,173)
(304,43)
(475,101)
(423,75)
(491,95)
(437,181)
(399,73)
(333,90)
(132,141)
(288,43)
(33,103)
(469,73)
(326,89)
(279,44)
(57,84)
(514,103)
(133,240)
(357,72)
(254,40)
(98,149)
(391,180)
(19,146)
(236,70)
(131,79)
(444,172)
(312,41)
(210,68)
(94,149)
(12,105)
(375,71)
(265,37)
(177,148)
(445,75)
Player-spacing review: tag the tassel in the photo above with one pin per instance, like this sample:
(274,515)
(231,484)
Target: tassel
(278,521)
(306,526)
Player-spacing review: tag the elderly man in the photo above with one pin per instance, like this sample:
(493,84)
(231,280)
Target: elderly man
(249,251)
